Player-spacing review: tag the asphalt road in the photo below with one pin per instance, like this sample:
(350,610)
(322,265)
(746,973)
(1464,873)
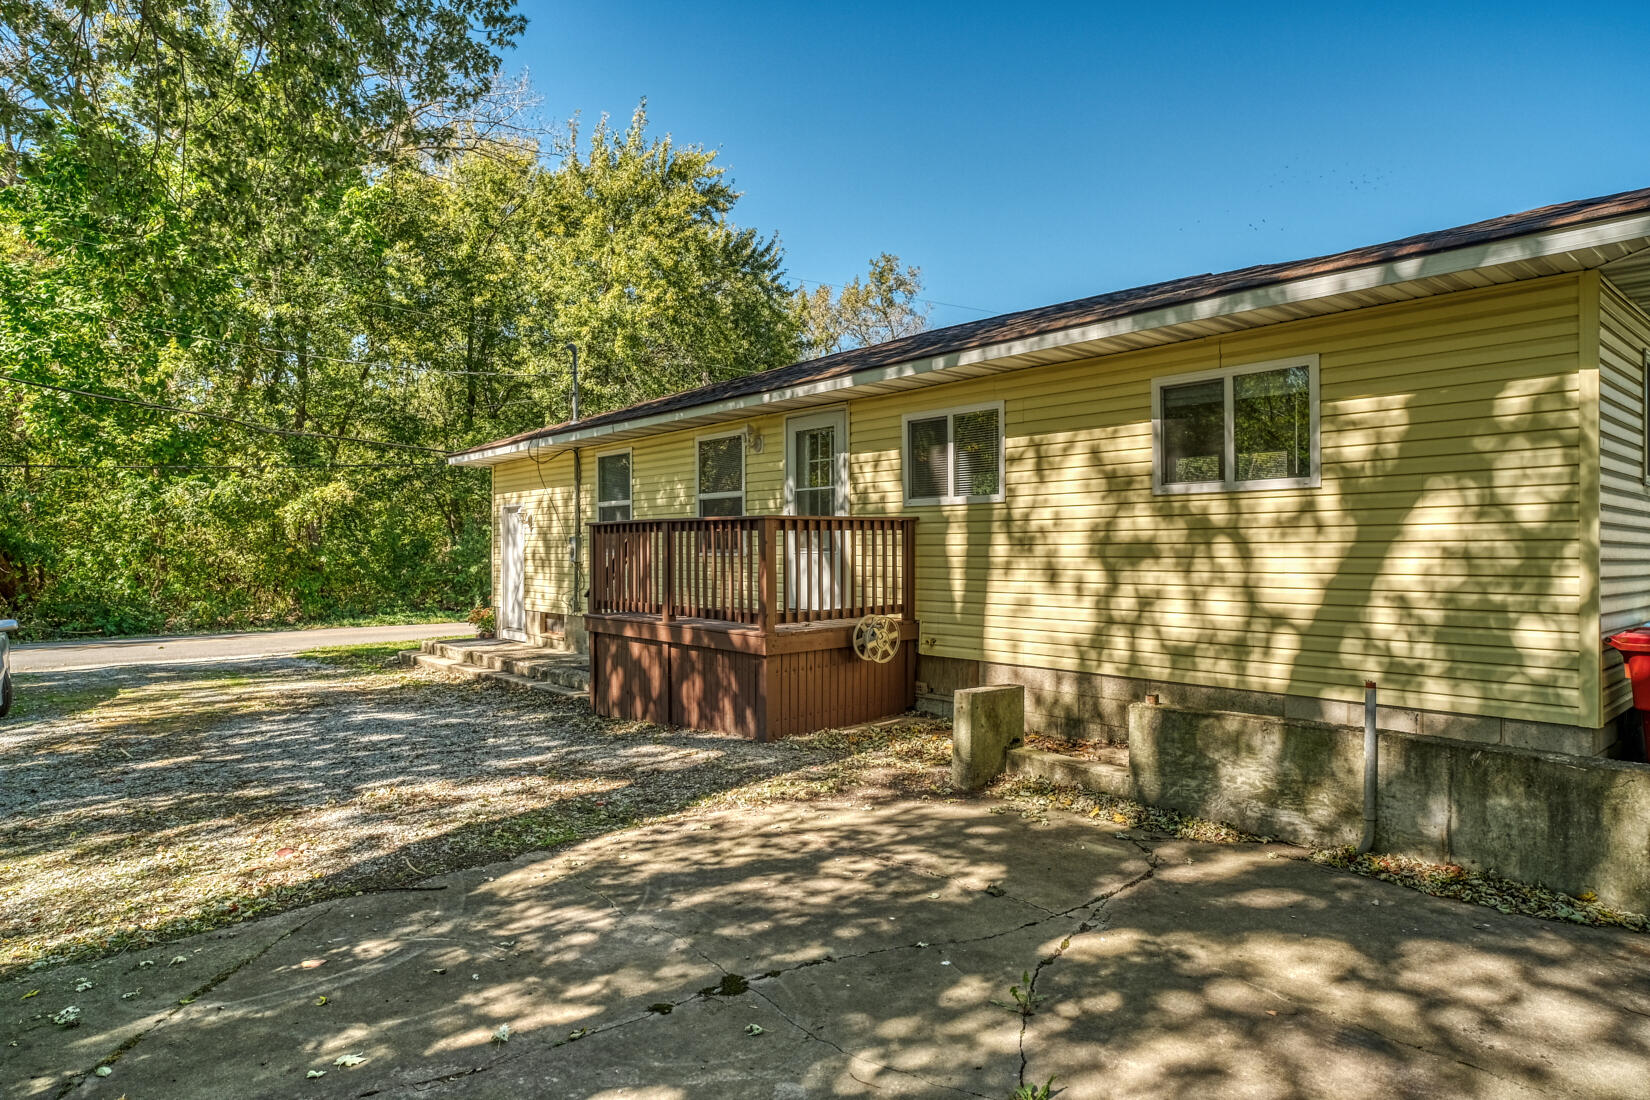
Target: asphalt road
(107,653)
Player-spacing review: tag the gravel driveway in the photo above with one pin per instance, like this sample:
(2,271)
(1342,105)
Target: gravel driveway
(146,803)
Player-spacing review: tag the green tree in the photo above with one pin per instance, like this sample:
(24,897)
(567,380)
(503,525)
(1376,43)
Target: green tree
(646,271)
(885,306)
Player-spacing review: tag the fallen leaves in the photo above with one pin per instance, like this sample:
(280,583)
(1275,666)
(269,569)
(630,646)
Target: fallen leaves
(349,1061)
(1450,880)
(501,1034)
(67,1017)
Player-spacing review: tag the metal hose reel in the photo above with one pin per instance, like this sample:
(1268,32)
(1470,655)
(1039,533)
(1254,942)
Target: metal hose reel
(876,638)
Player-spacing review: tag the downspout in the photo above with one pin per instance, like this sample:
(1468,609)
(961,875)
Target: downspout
(1372,761)
(576,550)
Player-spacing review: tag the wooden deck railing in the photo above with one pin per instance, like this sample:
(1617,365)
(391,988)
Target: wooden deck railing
(764,571)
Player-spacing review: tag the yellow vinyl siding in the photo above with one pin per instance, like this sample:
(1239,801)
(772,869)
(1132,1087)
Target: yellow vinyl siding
(663,470)
(1624,502)
(1440,555)
(543,488)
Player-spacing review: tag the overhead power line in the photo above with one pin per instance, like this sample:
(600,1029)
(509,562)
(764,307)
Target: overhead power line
(925,301)
(220,417)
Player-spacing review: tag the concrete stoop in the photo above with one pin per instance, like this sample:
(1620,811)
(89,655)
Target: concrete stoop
(1108,775)
(512,664)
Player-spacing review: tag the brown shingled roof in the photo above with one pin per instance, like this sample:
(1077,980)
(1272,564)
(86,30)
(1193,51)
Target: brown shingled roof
(1102,307)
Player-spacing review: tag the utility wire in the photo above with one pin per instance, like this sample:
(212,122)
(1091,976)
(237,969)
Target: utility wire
(220,417)
(925,301)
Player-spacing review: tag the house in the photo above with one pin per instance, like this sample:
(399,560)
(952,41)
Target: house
(1421,463)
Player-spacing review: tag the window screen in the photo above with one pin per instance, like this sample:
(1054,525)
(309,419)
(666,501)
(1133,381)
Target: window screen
(929,452)
(954,457)
(815,468)
(722,476)
(1194,432)
(1244,427)
(974,452)
(1272,424)
(613,487)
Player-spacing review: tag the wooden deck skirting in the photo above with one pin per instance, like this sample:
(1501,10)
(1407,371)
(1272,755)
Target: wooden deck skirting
(745,625)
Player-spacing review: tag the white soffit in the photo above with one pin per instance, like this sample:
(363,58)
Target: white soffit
(1620,247)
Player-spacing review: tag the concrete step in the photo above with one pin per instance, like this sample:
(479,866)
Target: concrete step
(569,670)
(451,666)
(1101,776)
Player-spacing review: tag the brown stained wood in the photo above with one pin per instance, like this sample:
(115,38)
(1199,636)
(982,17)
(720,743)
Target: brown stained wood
(754,571)
(908,573)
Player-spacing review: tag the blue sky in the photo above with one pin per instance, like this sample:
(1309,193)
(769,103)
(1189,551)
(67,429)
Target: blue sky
(1029,156)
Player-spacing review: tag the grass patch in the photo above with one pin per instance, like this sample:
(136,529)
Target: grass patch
(35,697)
(368,656)
(167,802)
(35,631)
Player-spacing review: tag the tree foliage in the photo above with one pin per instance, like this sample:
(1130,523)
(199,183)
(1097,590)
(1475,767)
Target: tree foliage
(339,232)
(885,306)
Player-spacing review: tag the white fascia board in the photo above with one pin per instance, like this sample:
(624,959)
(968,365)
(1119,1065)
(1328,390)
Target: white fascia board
(1309,288)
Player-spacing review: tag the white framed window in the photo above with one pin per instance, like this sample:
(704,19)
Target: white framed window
(613,486)
(1253,426)
(954,456)
(719,474)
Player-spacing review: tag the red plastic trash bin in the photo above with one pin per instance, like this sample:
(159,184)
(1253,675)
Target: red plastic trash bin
(1635,650)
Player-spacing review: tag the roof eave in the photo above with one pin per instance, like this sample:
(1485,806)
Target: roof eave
(1290,292)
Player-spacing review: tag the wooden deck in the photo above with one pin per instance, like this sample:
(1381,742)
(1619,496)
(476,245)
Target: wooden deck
(745,625)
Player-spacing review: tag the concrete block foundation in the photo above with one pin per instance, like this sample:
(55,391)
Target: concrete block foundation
(1089,706)
(1567,822)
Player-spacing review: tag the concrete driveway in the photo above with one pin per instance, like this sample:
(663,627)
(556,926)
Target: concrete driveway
(843,949)
(112,653)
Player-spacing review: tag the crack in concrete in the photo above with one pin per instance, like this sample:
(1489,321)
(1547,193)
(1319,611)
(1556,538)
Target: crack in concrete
(1095,921)
(184,1002)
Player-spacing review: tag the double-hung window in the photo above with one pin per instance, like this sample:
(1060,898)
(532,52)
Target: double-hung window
(721,475)
(1248,427)
(613,486)
(954,456)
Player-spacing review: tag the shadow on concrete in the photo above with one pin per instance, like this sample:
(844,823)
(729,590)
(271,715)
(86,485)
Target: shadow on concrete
(874,948)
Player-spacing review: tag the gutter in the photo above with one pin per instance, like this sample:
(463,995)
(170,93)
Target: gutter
(1308,288)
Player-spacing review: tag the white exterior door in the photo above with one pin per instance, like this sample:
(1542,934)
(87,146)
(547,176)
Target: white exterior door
(512,562)
(816,484)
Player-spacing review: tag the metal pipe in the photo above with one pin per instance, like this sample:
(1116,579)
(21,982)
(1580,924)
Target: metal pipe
(576,550)
(1372,767)
(574,348)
